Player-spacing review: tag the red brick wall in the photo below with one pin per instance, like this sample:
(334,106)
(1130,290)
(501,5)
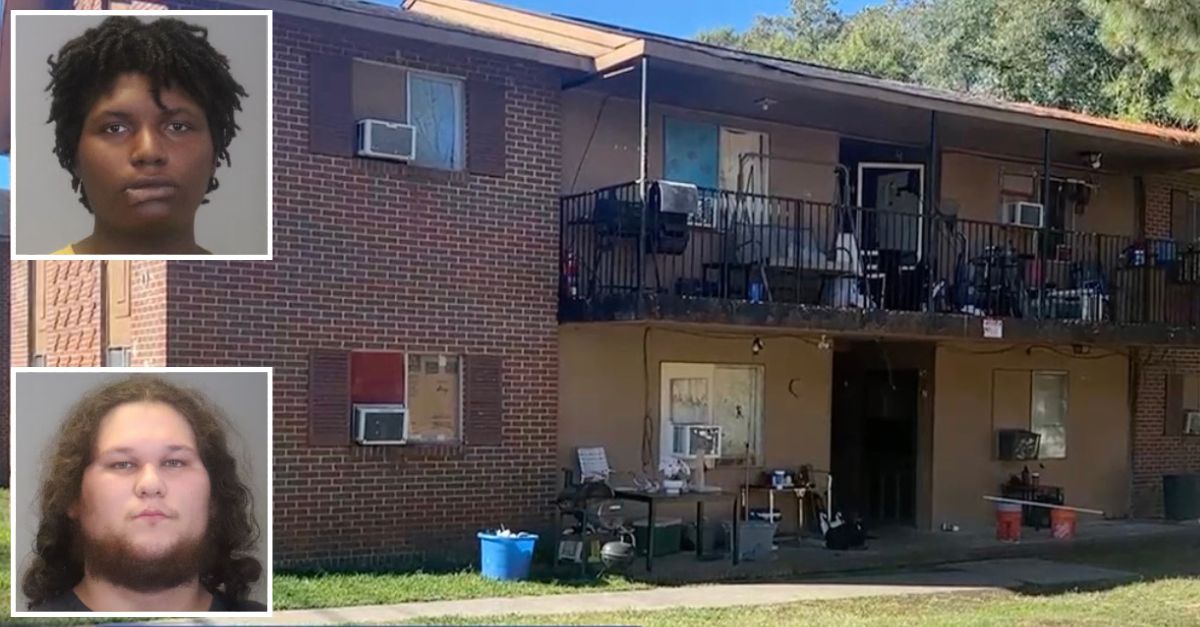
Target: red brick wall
(73,314)
(149,312)
(371,255)
(4,359)
(19,310)
(1155,454)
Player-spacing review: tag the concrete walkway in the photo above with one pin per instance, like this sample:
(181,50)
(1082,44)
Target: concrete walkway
(967,577)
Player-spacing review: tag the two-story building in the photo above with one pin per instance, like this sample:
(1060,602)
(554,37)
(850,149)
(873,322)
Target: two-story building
(606,235)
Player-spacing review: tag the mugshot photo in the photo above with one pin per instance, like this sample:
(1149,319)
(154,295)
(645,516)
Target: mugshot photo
(139,492)
(141,133)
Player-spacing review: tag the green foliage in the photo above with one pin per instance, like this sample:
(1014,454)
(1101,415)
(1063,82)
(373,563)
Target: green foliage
(1165,36)
(1082,55)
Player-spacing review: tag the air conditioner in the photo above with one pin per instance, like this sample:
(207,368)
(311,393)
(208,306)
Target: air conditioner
(1191,423)
(380,424)
(694,440)
(386,140)
(1030,214)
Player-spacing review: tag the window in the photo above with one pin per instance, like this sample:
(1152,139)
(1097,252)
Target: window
(1185,216)
(427,386)
(435,108)
(728,396)
(1048,414)
(118,357)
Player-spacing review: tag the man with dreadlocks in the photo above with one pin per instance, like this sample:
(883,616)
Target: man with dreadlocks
(143,114)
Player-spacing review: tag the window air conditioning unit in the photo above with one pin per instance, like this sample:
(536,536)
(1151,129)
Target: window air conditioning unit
(380,424)
(1191,424)
(695,440)
(386,140)
(1030,214)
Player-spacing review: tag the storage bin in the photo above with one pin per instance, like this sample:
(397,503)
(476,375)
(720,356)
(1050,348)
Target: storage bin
(506,558)
(668,536)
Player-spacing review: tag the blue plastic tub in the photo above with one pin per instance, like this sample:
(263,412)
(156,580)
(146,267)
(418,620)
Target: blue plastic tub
(506,558)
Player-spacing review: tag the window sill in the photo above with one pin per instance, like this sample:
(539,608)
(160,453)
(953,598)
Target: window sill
(425,451)
(407,171)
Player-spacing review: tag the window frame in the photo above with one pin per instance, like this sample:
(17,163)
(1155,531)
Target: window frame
(126,351)
(411,438)
(1065,376)
(682,369)
(459,85)
(459,400)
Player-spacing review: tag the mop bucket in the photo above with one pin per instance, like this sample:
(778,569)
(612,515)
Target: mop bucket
(506,557)
(1062,524)
(1008,522)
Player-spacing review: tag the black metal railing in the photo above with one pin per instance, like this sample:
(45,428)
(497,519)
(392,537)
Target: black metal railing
(754,248)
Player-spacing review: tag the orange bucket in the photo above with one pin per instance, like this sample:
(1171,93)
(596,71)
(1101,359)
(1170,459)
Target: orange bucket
(1062,524)
(1008,522)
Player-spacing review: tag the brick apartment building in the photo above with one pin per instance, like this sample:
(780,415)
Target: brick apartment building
(397,281)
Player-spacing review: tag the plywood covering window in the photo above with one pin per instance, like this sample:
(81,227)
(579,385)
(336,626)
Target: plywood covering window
(729,396)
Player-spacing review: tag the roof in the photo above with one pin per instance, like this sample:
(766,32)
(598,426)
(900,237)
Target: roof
(611,45)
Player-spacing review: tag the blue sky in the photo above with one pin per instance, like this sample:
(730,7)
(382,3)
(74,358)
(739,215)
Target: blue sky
(681,18)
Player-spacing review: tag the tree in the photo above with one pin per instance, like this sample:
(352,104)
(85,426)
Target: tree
(1046,52)
(1165,34)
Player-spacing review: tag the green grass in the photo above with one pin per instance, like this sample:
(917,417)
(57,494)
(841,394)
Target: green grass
(1162,602)
(294,591)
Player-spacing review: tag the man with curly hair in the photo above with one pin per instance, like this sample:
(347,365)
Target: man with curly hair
(143,115)
(142,508)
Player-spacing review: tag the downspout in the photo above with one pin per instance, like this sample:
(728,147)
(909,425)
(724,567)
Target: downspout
(643,167)
(929,225)
(1045,210)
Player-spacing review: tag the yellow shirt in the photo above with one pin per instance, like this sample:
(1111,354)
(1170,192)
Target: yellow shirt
(69,250)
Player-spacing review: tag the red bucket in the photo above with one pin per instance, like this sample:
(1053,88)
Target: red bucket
(1008,522)
(1062,524)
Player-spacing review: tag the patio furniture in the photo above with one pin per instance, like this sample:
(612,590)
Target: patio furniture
(656,499)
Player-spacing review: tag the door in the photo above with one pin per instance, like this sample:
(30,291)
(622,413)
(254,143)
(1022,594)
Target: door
(897,190)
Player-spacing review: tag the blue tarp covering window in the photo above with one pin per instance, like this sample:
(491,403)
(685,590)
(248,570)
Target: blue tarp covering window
(436,113)
(692,152)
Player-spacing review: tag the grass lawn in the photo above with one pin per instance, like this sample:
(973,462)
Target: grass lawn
(293,591)
(1162,602)
(1168,595)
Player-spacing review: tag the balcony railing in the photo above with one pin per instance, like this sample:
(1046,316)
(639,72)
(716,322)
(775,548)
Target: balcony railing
(746,247)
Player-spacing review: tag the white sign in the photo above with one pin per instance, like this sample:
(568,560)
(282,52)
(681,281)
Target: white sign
(993,328)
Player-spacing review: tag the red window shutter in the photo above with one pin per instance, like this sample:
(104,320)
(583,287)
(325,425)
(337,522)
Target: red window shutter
(377,377)
(483,400)
(328,397)
(486,122)
(330,105)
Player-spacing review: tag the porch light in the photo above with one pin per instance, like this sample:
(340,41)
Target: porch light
(824,343)
(765,103)
(756,346)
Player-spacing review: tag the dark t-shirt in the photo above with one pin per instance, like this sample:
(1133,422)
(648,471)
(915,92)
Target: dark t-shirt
(69,602)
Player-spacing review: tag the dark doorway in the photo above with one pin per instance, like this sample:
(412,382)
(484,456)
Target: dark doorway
(876,413)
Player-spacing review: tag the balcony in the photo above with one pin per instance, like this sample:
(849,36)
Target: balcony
(748,259)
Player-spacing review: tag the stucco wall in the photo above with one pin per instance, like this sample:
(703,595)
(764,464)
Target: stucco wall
(1096,472)
(603,133)
(602,395)
(973,182)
